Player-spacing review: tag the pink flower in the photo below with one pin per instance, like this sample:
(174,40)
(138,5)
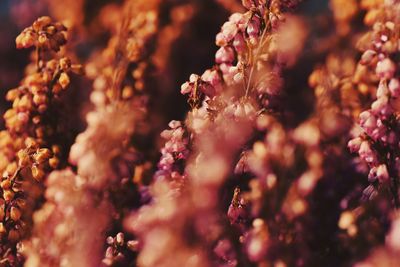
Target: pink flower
(186,88)
(23,117)
(239,43)
(367,153)
(382,173)
(394,87)
(240,20)
(367,57)
(354,144)
(382,91)
(381,106)
(212,77)
(254,27)
(385,69)
(228,31)
(225,55)
(367,121)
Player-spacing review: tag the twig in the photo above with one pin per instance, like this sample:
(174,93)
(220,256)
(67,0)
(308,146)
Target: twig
(255,60)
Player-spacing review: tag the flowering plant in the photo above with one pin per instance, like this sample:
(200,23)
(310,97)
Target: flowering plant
(283,149)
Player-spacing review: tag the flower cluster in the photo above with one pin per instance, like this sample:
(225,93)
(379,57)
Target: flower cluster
(103,157)
(116,247)
(377,144)
(31,144)
(220,125)
(43,34)
(173,155)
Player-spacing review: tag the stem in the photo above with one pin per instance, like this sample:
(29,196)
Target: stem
(16,173)
(53,81)
(120,61)
(261,43)
(38,58)
(394,183)
(394,189)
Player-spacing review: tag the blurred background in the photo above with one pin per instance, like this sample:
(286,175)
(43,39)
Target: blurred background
(89,19)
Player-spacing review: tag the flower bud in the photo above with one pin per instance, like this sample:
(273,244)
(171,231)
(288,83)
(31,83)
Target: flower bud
(31,142)
(6,184)
(225,55)
(2,213)
(239,43)
(381,106)
(382,91)
(41,22)
(248,3)
(253,28)
(367,153)
(15,213)
(385,69)
(39,99)
(65,63)
(347,219)
(394,87)
(53,162)
(42,155)
(110,240)
(13,235)
(8,195)
(372,175)
(120,239)
(382,173)
(25,40)
(186,88)
(37,173)
(367,57)
(3,229)
(23,158)
(228,32)
(64,80)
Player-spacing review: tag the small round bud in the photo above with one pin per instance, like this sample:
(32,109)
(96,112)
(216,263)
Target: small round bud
(56,149)
(2,214)
(120,239)
(110,240)
(65,63)
(8,195)
(6,184)
(13,235)
(31,142)
(15,213)
(3,229)
(53,162)
(39,99)
(37,173)
(42,155)
(23,158)
(12,94)
(64,80)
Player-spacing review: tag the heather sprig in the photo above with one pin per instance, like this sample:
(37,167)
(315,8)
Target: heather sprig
(218,125)
(37,150)
(377,140)
(103,154)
